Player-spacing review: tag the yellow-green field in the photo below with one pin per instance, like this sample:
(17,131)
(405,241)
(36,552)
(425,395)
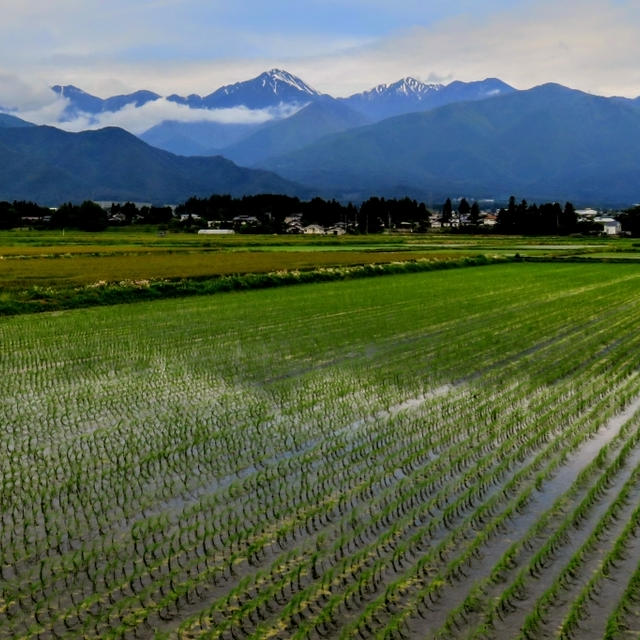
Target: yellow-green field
(35,265)
(29,257)
(81,269)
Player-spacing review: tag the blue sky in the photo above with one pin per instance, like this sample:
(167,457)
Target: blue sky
(339,47)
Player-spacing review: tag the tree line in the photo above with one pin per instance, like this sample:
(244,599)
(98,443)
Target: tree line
(549,218)
(272,213)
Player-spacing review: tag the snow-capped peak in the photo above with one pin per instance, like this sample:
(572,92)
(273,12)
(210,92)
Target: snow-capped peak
(276,77)
(408,86)
(412,87)
(276,82)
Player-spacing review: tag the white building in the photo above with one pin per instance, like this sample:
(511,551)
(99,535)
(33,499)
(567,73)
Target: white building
(611,226)
(314,229)
(215,232)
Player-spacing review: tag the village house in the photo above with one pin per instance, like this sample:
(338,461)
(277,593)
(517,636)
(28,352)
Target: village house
(610,226)
(314,229)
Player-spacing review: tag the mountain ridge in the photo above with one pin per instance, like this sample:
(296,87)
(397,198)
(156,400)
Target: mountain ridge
(53,166)
(545,142)
(269,89)
(277,86)
(83,102)
(317,119)
(408,95)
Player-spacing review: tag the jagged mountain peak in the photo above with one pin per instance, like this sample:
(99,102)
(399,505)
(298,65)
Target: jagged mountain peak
(277,76)
(408,86)
(276,81)
(68,90)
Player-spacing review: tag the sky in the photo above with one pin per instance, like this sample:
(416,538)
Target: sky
(340,47)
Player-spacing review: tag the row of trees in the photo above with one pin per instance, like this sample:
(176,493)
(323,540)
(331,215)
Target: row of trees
(13,214)
(548,218)
(271,211)
(272,214)
(630,221)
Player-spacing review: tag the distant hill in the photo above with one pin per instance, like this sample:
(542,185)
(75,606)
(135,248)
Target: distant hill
(311,123)
(8,121)
(51,166)
(548,142)
(197,138)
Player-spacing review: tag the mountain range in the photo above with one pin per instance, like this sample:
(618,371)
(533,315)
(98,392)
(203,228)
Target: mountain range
(272,90)
(549,142)
(430,141)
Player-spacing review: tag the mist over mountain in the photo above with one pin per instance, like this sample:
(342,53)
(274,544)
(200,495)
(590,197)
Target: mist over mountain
(197,138)
(321,115)
(52,166)
(547,142)
(203,125)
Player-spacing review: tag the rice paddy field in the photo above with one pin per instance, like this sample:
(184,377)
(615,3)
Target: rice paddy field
(54,270)
(449,454)
(31,259)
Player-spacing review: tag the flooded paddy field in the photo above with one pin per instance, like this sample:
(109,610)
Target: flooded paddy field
(442,454)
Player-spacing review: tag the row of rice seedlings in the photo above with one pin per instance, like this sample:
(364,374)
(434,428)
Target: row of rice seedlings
(403,613)
(578,610)
(625,610)
(505,516)
(501,606)
(396,535)
(385,465)
(534,620)
(182,462)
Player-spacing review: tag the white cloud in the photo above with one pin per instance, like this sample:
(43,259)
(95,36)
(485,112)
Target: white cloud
(17,94)
(139,119)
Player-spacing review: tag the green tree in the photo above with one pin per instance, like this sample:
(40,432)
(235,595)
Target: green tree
(630,221)
(447,212)
(91,217)
(474,214)
(464,208)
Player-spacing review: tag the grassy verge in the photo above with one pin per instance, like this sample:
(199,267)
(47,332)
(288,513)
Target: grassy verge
(37,299)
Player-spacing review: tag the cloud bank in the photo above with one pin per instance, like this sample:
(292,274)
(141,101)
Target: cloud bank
(139,119)
(39,104)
